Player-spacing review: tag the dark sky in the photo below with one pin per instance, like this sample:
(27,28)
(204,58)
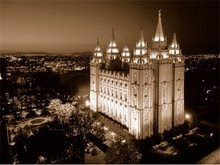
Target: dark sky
(68,25)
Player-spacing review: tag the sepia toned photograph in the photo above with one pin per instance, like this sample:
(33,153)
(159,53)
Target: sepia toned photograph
(109,82)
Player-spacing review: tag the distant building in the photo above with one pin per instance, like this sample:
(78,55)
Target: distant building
(143,90)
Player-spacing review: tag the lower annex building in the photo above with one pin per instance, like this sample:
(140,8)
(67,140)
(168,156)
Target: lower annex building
(143,90)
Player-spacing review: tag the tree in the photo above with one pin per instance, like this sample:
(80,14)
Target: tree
(121,152)
(61,111)
(76,124)
(98,131)
(81,122)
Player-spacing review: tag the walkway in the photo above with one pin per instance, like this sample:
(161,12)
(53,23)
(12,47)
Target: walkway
(115,127)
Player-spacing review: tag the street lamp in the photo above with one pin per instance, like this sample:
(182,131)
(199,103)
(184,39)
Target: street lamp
(1,77)
(187,116)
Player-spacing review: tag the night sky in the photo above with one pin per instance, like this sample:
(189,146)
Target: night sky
(64,26)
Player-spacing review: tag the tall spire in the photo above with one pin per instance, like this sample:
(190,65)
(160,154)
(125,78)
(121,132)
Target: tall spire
(126,51)
(141,46)
(113,35)
(159,32)
(141,42)
(112,47)
(97,41)
(126,42)
(174,42)
(174,48)
(142,35)
(97,52)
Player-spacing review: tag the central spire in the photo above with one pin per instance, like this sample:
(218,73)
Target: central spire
(113,35)
(142,36)
(97,43)
(159,32)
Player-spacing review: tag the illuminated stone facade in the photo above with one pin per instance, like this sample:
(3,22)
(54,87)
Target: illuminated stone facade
(143,90)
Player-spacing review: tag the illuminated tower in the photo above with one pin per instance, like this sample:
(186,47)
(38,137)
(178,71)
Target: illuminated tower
(163,83)
(140,51)
(159,42)
(178,82)
(95,64)
(141,96)
(112,53)
(174,48)
(126,55)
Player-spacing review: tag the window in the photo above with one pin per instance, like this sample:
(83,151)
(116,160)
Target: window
(135,78)
(146,78)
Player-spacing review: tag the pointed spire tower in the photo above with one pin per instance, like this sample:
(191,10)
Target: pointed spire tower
(174,42)
(126,55)
(159,41)
(112,51)
(140,48)
(97,55)
(174,48)
(159,32)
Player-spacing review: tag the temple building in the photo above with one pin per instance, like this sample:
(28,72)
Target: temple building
(144,89)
